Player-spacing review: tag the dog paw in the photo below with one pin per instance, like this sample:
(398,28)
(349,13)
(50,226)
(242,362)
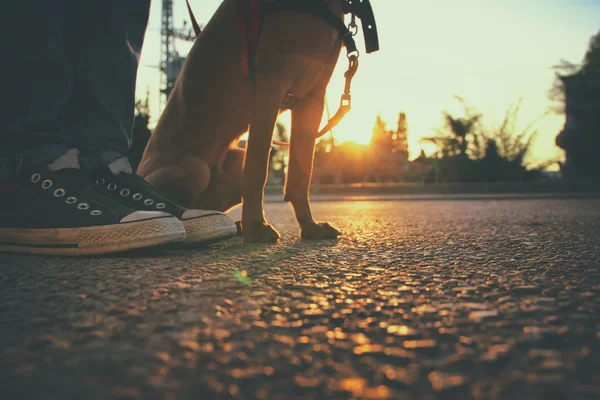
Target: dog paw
(319,230)
(259,232)
(238,225)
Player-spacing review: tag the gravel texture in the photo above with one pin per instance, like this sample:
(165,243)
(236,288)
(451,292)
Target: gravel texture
(482,299)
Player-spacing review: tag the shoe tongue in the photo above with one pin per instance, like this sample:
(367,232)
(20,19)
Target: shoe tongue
(120,165)
(68,160)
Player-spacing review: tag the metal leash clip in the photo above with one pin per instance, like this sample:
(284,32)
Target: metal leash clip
(349,75)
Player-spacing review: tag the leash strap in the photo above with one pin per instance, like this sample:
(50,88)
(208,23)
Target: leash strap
(346,101)
(320,9)
(249,14)
(197,29)
(248,21)
(248,17)
(242,30)
(363,10)
(316,8)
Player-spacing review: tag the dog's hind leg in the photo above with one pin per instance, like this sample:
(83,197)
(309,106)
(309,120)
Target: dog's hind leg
(306,117)
(183,181)
(224,191)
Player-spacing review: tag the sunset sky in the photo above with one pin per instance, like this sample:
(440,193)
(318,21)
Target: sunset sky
(489,52)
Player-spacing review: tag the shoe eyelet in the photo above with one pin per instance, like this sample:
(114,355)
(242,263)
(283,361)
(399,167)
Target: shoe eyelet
(125,192)
(96,212)
(71,200)
(160,206)
(137,196)
(112,186)
(59,192)
(35,178)
(148,202)
(100,181)
(83,206)
(47,184)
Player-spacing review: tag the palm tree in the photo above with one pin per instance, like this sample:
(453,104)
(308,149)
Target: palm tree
(460,136)
(514,146)
(470,151)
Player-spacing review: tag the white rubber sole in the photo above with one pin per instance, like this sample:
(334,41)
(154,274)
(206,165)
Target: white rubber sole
(209,229)
(94,240)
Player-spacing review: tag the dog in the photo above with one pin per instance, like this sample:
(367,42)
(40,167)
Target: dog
(193,157)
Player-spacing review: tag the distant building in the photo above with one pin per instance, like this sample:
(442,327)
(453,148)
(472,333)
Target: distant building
(580,137)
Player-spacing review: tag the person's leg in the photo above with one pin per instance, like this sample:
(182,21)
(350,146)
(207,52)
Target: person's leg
(36,83)
(48,205)
(106,76)
(104,57)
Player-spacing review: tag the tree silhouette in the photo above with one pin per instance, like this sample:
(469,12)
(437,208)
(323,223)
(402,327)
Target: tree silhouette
(514,145)
(591,61)
(380,136)
(468,150)
(387,140)
(400,139)
(460,136)
(590,65)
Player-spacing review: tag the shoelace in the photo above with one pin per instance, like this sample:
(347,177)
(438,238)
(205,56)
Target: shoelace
(124,192)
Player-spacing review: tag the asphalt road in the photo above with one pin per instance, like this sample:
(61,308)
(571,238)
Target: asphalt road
(483,299)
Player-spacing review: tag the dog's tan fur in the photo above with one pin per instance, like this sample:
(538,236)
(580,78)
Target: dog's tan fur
(192,156)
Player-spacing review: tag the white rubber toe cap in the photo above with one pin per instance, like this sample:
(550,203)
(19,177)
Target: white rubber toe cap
(144,215)
(191,214)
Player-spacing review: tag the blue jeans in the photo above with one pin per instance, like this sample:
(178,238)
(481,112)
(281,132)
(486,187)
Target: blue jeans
(67,79)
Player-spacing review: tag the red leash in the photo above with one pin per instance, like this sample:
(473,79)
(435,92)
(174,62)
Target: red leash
(248,32)
(197,29)
(248,18)
(242,30)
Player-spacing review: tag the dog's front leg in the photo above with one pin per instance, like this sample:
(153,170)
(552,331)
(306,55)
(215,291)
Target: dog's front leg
(306,117)
(266,109)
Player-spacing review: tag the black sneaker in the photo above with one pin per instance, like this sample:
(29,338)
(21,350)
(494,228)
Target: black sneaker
(202,226)
(60,212)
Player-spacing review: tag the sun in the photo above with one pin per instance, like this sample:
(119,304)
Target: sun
(355,126)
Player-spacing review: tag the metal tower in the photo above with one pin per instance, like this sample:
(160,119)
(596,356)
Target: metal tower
(171,62)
